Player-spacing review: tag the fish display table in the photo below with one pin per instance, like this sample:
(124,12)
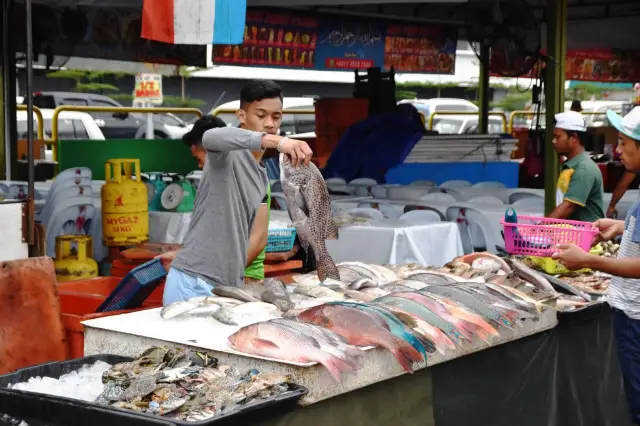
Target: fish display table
(132,333)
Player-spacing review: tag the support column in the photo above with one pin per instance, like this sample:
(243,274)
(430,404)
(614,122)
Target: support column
(483,89)
(556,14)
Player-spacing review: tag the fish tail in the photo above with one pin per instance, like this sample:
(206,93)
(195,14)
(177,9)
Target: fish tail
(427,343)
(506,322)
(336,366)
(410,352)
(325,264)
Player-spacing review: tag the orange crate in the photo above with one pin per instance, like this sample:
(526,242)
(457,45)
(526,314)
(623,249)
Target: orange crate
(97,289)
(79,301)
(339,112)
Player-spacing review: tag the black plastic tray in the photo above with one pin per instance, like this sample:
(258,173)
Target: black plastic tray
(52,410)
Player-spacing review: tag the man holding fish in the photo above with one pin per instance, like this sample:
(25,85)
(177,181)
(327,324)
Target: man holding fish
(233,185)
(624,290)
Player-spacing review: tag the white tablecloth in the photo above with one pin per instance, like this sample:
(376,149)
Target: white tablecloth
(397,242)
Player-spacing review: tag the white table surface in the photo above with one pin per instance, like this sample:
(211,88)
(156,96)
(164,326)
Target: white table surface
(397,242)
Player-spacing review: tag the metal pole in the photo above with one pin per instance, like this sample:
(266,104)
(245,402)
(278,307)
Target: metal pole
(29,95)
(554,93)
(483,89)
(149,122)
(6,63)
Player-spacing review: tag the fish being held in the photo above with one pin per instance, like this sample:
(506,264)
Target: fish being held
(309,207)
(283,342)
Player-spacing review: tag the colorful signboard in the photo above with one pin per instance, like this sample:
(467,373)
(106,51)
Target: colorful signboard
(148,88)
(332,42)
(602,65)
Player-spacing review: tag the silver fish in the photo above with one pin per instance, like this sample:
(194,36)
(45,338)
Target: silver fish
(275,293)
(176,309)
(361,283)
(204,310)
(358,295)
(317,291)
(414,283)
(234,293)
(531,276)
(309,207)
(247,313)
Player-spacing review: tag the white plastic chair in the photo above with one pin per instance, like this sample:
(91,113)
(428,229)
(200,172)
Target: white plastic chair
(454,193)
(487,200)
(20,191)
(466,217)
(364,182)
(406,192)
(74,216)
(529,204)
(523,195)
(489,185)
(60,195)
(379,192)
(427,183)
(341,187)
(387,210)
(421,216)
(456,184)
(438,196)
(335,181)
(74,172)
(4,189)
(366,212)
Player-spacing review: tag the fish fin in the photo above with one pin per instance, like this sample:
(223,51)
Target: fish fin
(428,345)
(267,344)
(336,366)
(326,267)
(332,231)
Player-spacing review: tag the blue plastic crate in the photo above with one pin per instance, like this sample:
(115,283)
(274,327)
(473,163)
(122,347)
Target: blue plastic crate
(135,287)
(281,239)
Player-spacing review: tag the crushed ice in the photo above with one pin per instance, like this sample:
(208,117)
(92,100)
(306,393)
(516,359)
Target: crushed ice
(84,384)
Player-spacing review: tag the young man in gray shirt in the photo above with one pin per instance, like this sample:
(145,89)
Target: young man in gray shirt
(233,185)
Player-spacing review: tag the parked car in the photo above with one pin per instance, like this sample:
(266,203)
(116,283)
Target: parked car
(71,125)
(291,123)
(118,125)
(428,106)
(465,124)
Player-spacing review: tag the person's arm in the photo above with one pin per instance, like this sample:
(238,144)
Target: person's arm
(628,267)
(576,195)
(618,192)
(564,210)
(259,234)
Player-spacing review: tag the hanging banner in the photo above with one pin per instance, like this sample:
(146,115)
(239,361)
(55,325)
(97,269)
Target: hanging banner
(199,22)
(421,48)
(331,42)
(601,65)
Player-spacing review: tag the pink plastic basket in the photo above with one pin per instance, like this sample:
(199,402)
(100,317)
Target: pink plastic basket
(537,236)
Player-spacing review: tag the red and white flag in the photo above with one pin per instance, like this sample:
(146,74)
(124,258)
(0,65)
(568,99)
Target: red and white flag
(194,21)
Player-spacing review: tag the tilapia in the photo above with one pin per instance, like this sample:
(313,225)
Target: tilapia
(285,343)
(176,309)
(531,276)
(234,293)
(317,291)
(276,293)
(362,329)
(465,300)
(247,313)
(309,207)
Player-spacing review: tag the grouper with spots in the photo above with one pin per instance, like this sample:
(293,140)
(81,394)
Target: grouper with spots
(309,207)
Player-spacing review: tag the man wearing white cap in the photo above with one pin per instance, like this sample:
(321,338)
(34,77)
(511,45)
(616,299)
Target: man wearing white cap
(624,290)
(580,191)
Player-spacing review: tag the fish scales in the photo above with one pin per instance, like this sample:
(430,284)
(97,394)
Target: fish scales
(309,207)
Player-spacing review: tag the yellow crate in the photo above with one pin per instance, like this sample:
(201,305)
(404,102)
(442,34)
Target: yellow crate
(553,267)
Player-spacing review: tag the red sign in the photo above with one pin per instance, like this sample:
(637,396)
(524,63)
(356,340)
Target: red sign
(348,64)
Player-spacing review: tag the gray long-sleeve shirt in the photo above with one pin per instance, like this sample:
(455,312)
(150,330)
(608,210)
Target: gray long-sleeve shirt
(233,185)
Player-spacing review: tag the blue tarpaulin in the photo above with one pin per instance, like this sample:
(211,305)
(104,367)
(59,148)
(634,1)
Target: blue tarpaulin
(375,145)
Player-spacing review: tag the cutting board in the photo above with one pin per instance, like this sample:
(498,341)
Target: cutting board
(31,331)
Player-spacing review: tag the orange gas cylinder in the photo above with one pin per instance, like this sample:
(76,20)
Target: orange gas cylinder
(125,215)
